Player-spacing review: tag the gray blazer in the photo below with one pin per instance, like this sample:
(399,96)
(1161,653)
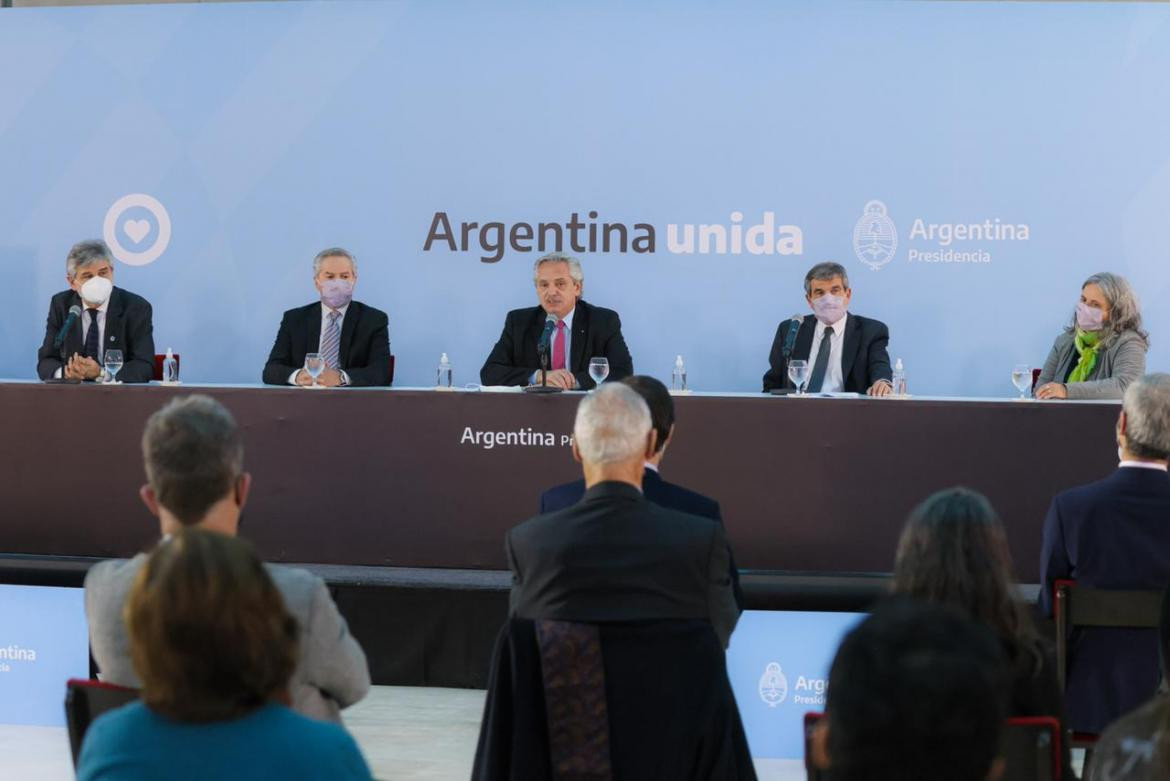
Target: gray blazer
(1121,362)
(331,673)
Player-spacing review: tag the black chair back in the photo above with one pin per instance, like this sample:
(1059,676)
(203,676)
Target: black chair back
(85,700)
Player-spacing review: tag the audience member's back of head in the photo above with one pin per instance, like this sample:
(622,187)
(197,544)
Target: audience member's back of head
(1147,412)
(954,551)
(194,456)
(209,633)
(612,425)
(915,694)
(661,405)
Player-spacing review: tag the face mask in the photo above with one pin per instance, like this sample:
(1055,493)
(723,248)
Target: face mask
(828,308)
(1088,318)
(336,293)
(96,291)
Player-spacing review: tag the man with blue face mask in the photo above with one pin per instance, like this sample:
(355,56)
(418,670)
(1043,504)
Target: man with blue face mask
(845,352)
(352,339)
(106,318)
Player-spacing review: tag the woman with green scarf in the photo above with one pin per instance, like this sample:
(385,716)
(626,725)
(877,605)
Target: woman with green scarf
(1103,350)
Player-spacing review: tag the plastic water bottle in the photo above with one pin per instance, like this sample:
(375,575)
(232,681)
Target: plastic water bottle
(170,368)
(899,380)
(678,377)
(444,374)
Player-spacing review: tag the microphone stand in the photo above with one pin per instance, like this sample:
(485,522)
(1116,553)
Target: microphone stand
(62,380)
(787,388)
(543,387)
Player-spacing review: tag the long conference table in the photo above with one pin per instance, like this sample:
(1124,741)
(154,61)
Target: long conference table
(433,479)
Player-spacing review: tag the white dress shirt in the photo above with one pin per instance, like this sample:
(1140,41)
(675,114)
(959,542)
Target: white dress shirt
(834,378)
(325,311)
(1142,465)
(85,326)
(568,321)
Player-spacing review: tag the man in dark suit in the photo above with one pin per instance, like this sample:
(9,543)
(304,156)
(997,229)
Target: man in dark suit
(614,556)
(845,352)
(582,331)
(1115,534)
(654,488)
(111,319)
(353,339)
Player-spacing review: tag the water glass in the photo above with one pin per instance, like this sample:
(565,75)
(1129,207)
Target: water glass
(1022,378)
(598,369)
(314,365)
(798,373)
(113,363)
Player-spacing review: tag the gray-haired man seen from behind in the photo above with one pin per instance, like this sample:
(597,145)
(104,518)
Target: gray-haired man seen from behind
(614,556)
(106,318)
(194,458)
(1115,534)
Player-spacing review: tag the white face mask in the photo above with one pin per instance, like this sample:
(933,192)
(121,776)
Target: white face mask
(829,308)
(96,291)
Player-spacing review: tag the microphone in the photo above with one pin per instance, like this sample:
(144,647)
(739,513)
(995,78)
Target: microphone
(550,324)
(74,313)
(790,338)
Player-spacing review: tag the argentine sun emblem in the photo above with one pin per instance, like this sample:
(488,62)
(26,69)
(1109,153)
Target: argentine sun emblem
(773,685)
(874,236)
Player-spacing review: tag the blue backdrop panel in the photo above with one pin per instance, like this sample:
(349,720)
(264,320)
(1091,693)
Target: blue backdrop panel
(1014,148)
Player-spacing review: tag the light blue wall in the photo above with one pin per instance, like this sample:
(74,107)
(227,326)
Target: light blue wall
(269,131)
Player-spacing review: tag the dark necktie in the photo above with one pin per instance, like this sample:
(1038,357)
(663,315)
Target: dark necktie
(92,342)
(822,363)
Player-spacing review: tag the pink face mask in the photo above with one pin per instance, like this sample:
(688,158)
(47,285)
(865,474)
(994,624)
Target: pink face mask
(336,293)
(1088,318)
(829,308)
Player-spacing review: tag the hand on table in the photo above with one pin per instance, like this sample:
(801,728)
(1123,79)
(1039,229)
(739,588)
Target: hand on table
(330,378)
(81,368)
(880,388)
(559,378)
(1052,390)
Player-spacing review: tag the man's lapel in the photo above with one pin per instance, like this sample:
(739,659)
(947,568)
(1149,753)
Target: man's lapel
(850,347)
(348,327)
(580,334)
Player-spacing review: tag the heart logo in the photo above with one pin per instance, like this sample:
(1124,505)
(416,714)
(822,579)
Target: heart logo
(136,229)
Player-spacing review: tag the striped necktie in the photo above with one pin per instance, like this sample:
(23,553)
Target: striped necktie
(331,341)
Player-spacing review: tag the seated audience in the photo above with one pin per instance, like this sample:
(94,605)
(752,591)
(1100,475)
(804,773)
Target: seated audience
(215,649)
(1137,747)
(954,551)
(194,457)
(655,489)
(915,694)
(1102,350)
(1115,534)
(614,556)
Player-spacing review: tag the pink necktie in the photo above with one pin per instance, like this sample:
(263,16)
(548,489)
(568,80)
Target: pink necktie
(558,361)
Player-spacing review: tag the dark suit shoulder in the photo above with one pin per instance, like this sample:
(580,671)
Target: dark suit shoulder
(301,312)
(130,299)
(62,299)
(592,311)
(869,323)
(691,502)
(369,311)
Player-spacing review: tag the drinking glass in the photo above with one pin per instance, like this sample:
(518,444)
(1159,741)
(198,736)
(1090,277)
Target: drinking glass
(599,369)
(1022,378)
(113,362)
(314,365)
(798,373)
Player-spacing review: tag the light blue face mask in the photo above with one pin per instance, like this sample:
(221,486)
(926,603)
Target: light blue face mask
(336,293)
(829,308)
(1089,318)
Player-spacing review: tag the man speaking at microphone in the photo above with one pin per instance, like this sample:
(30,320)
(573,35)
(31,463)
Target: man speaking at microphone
(845,352)
(564,328)
(93,316)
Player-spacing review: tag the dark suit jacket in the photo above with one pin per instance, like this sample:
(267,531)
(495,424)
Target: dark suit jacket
(614,556)
(597,333)
(864,359)
(1114,533)
(364,351)
(129,328)
(661,493)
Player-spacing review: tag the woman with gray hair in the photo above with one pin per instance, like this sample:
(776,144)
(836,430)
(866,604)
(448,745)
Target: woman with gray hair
(1102,350)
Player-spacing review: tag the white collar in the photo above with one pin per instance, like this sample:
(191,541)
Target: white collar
(103,308)
(652,467)
(325,310)
(568,319)
(1142,465)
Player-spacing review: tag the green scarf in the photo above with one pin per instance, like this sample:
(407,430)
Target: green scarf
(1086,343)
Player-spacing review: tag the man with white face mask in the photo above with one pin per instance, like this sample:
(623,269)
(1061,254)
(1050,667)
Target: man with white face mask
(845,352)
(107,318)
(352,338)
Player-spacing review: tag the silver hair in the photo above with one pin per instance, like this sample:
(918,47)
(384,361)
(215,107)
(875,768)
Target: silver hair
(560,257)
(823,272)
(612,424)
(1125,314)
(1147,416)
(333,252)
(85,253)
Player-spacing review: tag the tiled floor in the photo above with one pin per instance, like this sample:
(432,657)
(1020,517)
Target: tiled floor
(406,733)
